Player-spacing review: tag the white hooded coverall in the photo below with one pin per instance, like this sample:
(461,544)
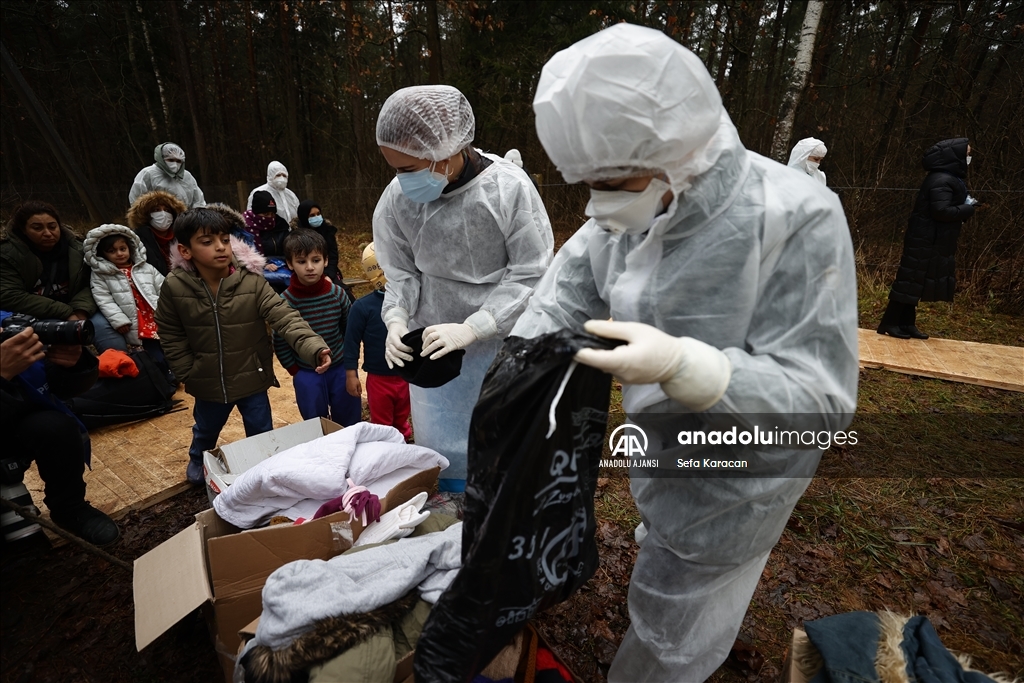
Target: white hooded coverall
(286,200)
(806,148)
(180,183)
(749,258)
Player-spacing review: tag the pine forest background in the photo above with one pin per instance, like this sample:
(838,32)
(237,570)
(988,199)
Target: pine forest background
(240,83)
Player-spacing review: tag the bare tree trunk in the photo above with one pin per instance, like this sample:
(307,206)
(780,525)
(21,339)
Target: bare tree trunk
(801,68)
(291,90)
(135,74)
(434,43)
(156,69)
(190,92)
(355,100)
(916,41)
(253,92)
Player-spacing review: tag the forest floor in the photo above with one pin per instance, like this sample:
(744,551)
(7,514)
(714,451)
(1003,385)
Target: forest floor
(949,547)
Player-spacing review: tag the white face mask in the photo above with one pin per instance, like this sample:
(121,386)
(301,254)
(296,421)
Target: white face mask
(161,220)
(812,166)
(619,211)
(968,159)
(279,183)
(173,165)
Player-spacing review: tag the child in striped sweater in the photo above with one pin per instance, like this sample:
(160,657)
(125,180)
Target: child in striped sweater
(324,306)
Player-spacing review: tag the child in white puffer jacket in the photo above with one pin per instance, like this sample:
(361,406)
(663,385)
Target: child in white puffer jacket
(126,289)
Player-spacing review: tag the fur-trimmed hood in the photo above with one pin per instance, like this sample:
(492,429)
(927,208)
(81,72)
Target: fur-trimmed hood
(138,214)
(329,638)
(92,242)
(236,219)
(245,257)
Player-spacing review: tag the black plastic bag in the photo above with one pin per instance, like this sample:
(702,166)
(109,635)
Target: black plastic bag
(528,529)
(112,400)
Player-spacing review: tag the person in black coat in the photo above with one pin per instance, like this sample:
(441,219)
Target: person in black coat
(927,268)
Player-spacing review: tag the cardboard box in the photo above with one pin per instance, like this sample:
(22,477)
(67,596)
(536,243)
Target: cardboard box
(222,568)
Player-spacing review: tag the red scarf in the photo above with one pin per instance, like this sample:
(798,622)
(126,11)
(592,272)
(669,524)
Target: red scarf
(164,242)
(302,291)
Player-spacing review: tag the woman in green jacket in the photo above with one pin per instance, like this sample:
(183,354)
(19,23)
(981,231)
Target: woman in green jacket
(42,270)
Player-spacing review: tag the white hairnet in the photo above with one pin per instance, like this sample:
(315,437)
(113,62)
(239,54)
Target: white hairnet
(626,101)
(169,150)
(426,121)
(274,168)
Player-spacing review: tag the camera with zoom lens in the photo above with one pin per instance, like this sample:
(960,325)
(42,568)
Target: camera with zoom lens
(12,471)
(67,332)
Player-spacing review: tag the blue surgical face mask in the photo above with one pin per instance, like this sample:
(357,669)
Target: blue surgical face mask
(315,221)
(422,186)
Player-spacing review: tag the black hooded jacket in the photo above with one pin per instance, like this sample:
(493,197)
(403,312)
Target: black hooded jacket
(927,268)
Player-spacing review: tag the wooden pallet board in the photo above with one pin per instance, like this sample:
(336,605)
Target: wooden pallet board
(140,464)
(989,365)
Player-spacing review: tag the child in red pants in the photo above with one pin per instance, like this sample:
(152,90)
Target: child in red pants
(386,392)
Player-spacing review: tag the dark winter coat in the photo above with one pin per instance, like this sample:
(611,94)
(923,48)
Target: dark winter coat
(927,268)
(138,220)
(20,271)
(63,383)
(219,346)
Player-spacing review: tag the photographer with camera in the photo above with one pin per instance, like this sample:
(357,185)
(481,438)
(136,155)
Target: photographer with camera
(37,426)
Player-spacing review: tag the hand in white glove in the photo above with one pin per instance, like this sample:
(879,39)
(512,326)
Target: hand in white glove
(693,373)
(397,352)
(440,340)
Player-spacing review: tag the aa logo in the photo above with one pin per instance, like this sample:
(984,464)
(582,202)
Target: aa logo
(628,441)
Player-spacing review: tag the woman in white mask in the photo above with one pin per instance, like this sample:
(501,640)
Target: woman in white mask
(734,290)
(152,216)
(277,186)
(462,237)
(168,174)
(806,157)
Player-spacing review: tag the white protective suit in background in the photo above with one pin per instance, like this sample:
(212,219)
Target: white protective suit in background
(808,147)
(159,176)
(287,202)
(481,247)
(748,258)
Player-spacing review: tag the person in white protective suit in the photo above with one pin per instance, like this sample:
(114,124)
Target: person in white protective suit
(462,237)
(806,157)
(732,282)
(277,186)
(168,174)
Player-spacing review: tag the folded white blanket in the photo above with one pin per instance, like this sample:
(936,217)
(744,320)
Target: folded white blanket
(315,472)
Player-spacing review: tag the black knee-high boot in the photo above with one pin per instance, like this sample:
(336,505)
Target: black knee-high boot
(908,322)
(891,319)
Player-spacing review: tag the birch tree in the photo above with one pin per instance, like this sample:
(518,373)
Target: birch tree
(795,89)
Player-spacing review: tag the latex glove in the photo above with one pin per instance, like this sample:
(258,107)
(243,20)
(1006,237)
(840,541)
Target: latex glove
(970,201)
(397,352)
(440,340)
(693,373)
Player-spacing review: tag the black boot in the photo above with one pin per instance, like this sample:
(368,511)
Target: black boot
(908,322)
(87,523)
(890,324)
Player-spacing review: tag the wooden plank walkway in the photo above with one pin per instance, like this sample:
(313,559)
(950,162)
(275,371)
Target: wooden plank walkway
(140,464)
(989,365)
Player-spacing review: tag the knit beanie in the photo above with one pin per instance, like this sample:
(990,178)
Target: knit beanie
(263,201)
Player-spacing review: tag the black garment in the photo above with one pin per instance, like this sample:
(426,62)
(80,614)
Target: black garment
(898,314)
(927,268)
(474,165)
(55,280)
(273,240)
(154,256)
(49,437)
